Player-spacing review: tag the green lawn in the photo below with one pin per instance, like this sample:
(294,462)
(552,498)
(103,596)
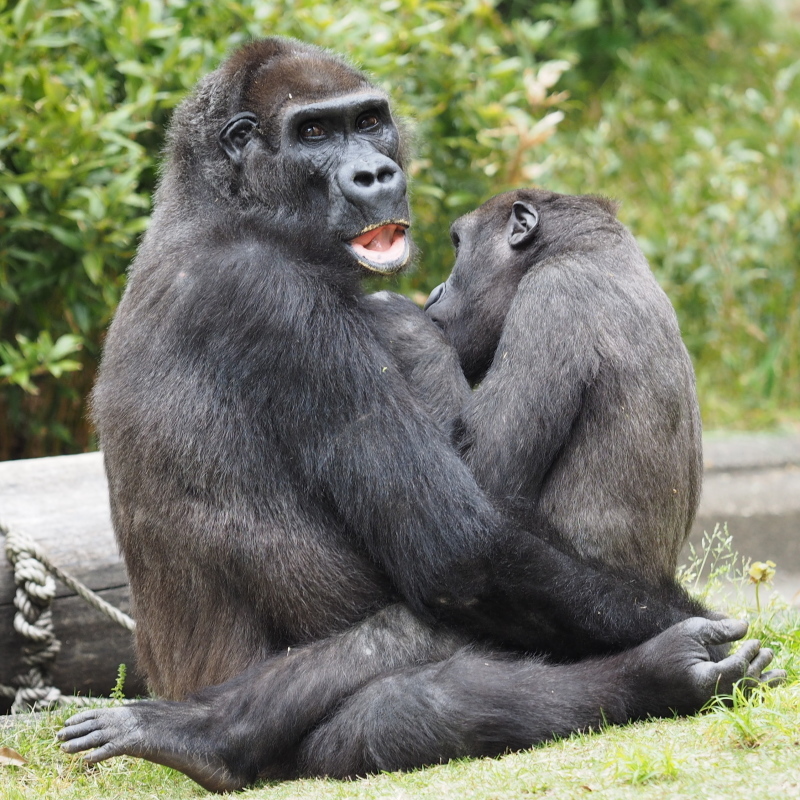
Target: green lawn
(750,749)
(754,748)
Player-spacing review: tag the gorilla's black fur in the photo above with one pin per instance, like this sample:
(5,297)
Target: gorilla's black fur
(586,417)
(296,526)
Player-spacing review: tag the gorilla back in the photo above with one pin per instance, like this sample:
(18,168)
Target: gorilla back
(586,414)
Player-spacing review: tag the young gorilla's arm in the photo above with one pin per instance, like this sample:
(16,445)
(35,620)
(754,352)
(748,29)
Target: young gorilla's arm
(524,390)
(524,412)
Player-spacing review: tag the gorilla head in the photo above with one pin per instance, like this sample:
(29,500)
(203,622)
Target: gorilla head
(496,245)
(293,140)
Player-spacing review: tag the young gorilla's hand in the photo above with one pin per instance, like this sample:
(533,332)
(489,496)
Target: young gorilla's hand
(406,330)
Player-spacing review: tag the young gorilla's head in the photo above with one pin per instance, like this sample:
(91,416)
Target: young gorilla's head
(496,245)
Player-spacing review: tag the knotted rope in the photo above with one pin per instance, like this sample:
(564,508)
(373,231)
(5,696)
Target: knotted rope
(33,576)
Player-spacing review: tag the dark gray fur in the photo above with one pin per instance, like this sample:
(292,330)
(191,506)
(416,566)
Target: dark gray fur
(586,414)
(298,529)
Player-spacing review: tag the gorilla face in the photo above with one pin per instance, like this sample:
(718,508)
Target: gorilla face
(328,168)
(471,305)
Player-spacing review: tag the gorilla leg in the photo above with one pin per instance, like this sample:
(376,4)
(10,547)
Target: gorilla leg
(226,736)
(482,704)
(462,702)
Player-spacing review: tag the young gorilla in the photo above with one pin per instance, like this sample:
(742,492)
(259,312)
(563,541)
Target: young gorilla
(296,526)
(586,418)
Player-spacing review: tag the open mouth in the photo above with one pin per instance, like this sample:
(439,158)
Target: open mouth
(382,248)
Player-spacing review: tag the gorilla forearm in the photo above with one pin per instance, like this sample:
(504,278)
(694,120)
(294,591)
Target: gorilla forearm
(523,606)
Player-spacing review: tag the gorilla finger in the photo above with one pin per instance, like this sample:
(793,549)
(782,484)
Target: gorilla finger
(102,753)
(76,719)
(93,739)
(749,651)
(716,632)
(775,677)
(758,664)
(77,730)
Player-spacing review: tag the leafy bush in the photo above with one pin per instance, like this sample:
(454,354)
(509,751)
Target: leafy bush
(699,135)
(662,116)
(86,91)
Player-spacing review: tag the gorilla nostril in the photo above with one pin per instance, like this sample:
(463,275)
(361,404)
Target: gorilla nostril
(373,179)
(364,179)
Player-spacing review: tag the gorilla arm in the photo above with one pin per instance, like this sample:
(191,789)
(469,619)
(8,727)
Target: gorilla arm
(522,414)
(400,489)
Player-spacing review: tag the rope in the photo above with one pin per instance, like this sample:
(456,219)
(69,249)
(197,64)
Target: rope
(33,576)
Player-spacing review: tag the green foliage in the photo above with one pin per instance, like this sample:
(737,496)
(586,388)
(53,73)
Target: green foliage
(663,116)
(699,135)
(86,91)
(754,717)
(638,765)
(29,358)
(597,34)
(712,564)
(118,692)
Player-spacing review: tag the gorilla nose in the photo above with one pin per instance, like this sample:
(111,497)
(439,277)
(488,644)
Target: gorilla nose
(434,296)
(372,179)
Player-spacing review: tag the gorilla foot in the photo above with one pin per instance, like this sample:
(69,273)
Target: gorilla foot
(145,731)
(678,665)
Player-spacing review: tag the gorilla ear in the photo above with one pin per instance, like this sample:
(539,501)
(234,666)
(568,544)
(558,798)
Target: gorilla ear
(522,224)
(236,133)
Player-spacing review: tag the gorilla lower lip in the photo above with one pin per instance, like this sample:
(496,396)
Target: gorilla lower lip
(381,246)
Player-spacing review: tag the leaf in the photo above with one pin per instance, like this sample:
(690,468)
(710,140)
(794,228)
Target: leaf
(65,345)
(23,14)
(17,196)
(11,758)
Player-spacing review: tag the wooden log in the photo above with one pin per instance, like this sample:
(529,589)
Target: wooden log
(62,504)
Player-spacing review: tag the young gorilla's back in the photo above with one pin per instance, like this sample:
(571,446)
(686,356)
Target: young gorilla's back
(586,413)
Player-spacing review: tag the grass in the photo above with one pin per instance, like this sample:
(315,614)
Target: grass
(752,743)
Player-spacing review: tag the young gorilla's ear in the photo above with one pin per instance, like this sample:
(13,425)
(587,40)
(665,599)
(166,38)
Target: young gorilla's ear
(522,224)
(236,133)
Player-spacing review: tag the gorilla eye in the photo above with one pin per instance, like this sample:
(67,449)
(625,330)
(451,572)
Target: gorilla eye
(368,122)
(455,239)
(311,132)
